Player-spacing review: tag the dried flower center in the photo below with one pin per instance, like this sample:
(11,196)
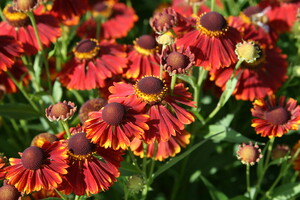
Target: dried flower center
(177,60)
(151,89)
(33,157)
(113,113)
(86,49)
(60,109)
(259,60)
(249,154)
(145,45)
(278,116)
(40,139)
(90,105)
(212,24)
(79,145)
(15,18)
(164,19)
(9,192)
(25,5)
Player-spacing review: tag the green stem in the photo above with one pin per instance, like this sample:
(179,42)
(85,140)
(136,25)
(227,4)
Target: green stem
(150,176)
(66,127)
(265,167)
(248,179)
(99,21)
(212,5)
(60,194)
(33,23)
(173,81)
(77,197)
(135,163)
(1,15)
(201,77)
(283,172)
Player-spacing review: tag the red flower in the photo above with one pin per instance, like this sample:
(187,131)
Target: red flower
(275,119)
(68,9)
(18,25)
(166,116)
(213,41)
(92,64)
(258,79)
(38,168)
(9,49)
(282,14)
(116,124)
(92,168)
(143,58)
(164,149)
(253,23)
(3,163)
(119,21)
(18,71)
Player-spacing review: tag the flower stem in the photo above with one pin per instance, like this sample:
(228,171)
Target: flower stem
(248,179)
(265,167)
(135,163)
(60,194)
(212,5)
(76,197)
(201,77)
(173,81)
(33,22)
(66,127)
(283,172)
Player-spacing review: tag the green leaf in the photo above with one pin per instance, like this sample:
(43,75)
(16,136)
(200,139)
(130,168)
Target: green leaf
(230,86)
(286,191)
(128,169)
(52,198)
(57,91)
(214,193)
(240,197)
(188,79)
(175,160)
(18,111)
(226,134)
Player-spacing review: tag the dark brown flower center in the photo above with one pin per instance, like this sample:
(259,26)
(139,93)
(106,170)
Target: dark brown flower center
(33,157)
(164,19)
(79,145)
(146,42)
(60,109)
(85,46)
(278,116)
(113,113)
(15,18)
(9,192)
(150,85)
(177,60)
(213,21)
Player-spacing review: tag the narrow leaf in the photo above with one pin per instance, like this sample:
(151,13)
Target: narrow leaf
(18,111)
(57,91)
(214,193)
(286,191)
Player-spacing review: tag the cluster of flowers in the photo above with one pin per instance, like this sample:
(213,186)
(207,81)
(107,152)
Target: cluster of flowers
(141,106)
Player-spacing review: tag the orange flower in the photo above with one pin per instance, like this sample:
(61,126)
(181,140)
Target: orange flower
(213,41)
(116,124)
(38,168)
(92,168)
(92,64)
(167,117)
(164,149)
(275,119)
(17,25)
